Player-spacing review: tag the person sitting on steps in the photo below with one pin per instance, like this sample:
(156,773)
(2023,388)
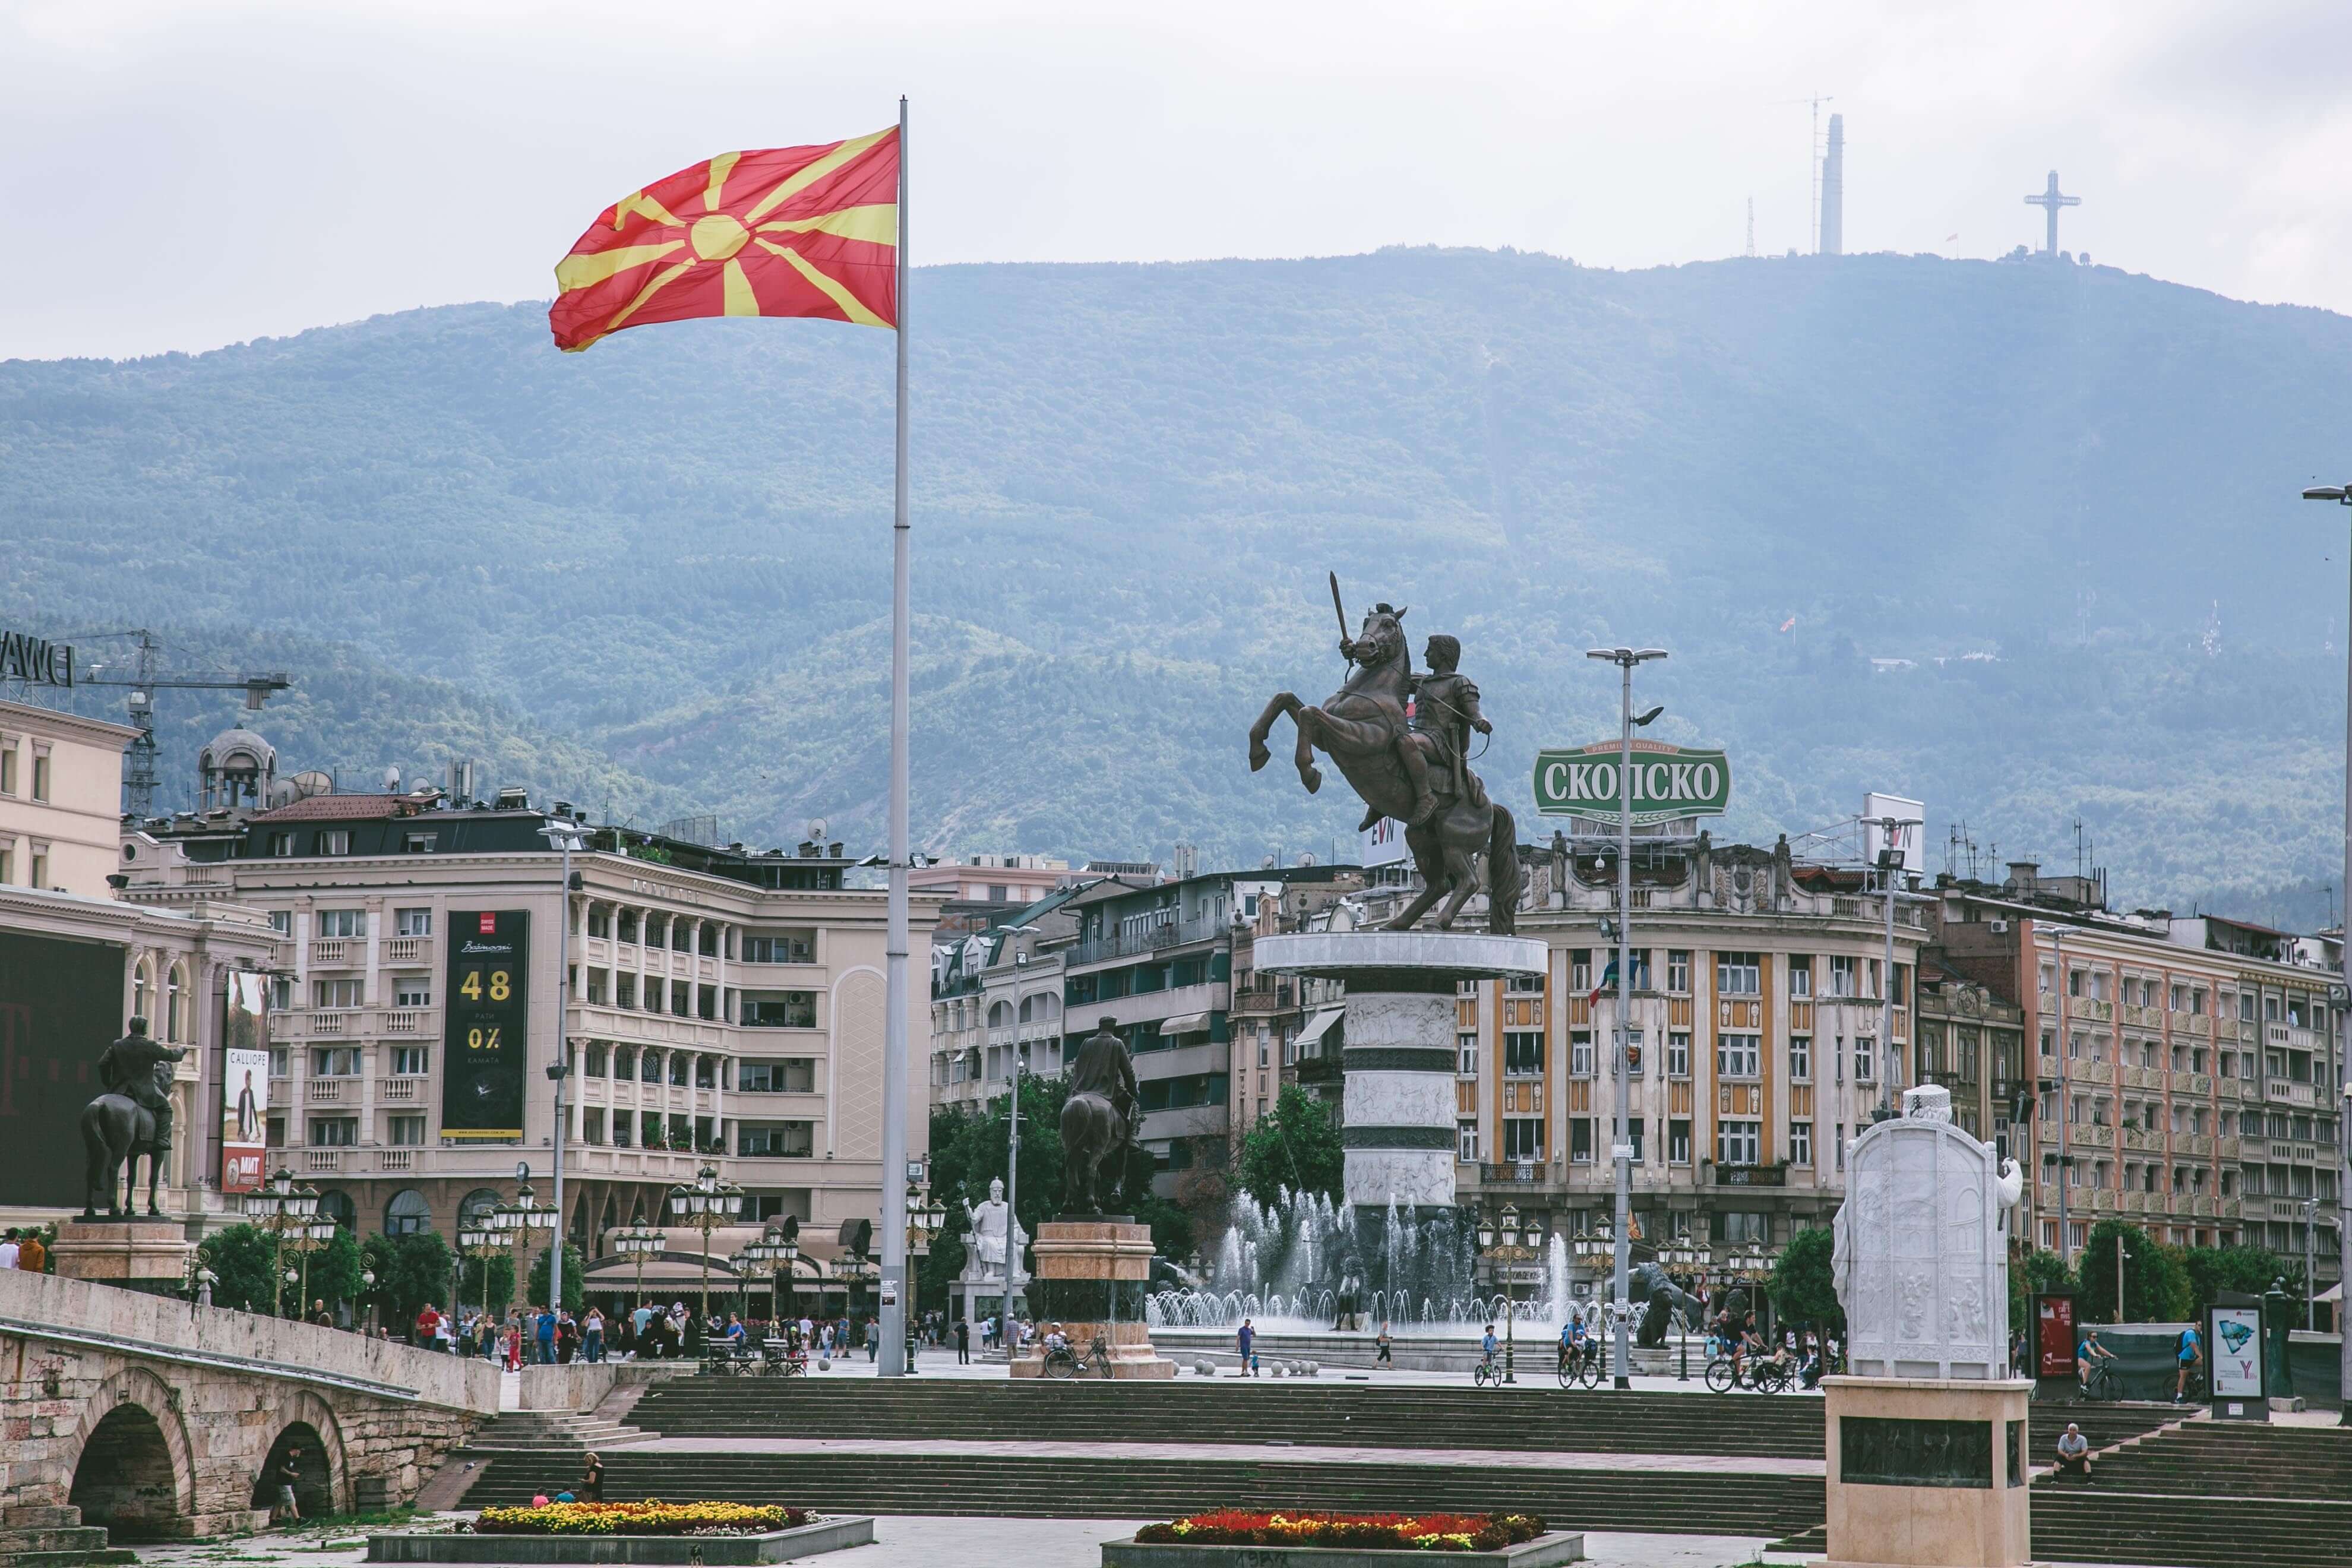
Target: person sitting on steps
(2074,1453)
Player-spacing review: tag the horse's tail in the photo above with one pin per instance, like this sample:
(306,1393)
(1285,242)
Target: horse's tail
(1504,877)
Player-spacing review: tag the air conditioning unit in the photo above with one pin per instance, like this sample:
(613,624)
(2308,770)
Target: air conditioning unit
(2000,928)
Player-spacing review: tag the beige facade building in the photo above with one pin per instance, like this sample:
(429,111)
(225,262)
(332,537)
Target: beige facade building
(724,1007)
(60,799)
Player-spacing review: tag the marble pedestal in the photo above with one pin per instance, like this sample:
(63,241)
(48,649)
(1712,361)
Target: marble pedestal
(1398,1054)
(144,1254)
(1927,1473)
(1092,1276)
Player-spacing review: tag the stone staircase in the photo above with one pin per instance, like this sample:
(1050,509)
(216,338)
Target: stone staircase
(39,1537)
(552,1433)
(2208,1494)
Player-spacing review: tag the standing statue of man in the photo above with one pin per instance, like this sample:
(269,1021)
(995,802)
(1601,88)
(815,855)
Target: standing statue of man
(1445,709)
(138,1068)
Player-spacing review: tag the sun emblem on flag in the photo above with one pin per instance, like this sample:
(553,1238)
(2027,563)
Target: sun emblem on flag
(795,231)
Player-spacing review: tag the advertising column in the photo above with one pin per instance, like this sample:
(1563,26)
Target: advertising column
(484,1042)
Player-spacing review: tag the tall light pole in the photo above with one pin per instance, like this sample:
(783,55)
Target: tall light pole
(1012,1161)
(2342,496)
(2066,1159)
(566,836)
(1890,861)
(1620,1145)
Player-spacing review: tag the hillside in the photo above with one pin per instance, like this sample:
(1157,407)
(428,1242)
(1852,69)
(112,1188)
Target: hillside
(672,553)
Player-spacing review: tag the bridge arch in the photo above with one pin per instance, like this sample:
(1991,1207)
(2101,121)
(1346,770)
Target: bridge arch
(133,1470)
(307,1420)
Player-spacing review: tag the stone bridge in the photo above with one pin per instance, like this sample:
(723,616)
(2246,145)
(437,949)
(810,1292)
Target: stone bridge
(157,1419)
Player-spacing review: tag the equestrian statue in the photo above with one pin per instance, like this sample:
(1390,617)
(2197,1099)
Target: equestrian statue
(133,1117)
(1416,770)
(1098,1122)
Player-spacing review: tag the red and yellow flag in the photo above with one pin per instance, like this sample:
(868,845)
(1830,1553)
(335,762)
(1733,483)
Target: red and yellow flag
(792,231)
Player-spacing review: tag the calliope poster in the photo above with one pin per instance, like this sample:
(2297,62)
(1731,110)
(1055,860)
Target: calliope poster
(2237,1353)
(245,1086)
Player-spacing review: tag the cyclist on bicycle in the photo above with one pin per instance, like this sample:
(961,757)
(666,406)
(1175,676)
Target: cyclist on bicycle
(2086,1351)
(1750,1346)
(1486,1346)
(2190,1352)
(1575,1343)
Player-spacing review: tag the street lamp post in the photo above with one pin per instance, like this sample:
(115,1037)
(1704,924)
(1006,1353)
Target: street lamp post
(2062,1046)
(706,1204)
(640,1242)
(1890,861)
(566,836)
(518,1220)
(1621,1147)
(2342,496)
(1013,1160)
(481,1238)
(1503,1247)
(925,1216)
(280,1208)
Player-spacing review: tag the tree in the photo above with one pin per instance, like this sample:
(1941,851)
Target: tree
(2036,1272)
(2156,1281)
(245,1257)
(334,1273)
(410,1270)
(2247,1271)
(1803,1288)
(575,1297)
(970,1147)
(1294,1146)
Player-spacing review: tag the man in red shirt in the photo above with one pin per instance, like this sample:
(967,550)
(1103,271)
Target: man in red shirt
(428,1323)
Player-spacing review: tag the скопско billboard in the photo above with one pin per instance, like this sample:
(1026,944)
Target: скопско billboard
(485,1039)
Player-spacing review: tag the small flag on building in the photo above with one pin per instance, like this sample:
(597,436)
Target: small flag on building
(1608,979)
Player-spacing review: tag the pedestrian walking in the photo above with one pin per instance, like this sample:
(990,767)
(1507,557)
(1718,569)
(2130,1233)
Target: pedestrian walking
(1247,1339)
(963,1341)
(591,1479)
(287,1475)
(873,1339)
(1383,1359)
(593,1338)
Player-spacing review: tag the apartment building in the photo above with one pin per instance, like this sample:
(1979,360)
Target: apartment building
(724,1007)
(996,994)
(1753,1046)
(982,890)
(2184,1069)
(1159,961)
(60,798)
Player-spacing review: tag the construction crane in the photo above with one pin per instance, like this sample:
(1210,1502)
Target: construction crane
(139,759)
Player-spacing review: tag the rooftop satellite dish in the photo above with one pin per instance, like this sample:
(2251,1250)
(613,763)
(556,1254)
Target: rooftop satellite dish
(310,782)
(1305,859)
(817,829)
(391,779)
(1266,864)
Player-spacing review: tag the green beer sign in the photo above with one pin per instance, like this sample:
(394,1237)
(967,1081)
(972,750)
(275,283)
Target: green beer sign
(1668,782)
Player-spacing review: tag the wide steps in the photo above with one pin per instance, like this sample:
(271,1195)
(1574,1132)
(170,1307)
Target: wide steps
(552,1432)
(2074,1523)
(1682,1503)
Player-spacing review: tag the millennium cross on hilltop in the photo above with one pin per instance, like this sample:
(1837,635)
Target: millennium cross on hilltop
(2050,201)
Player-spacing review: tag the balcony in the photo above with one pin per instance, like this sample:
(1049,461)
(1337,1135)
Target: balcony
(2090,1136)
(2199,1084)
(395,1159)
(1167,934)
(2280,1092)
(330,1090)
(2228,1148)
(402,1088)
(2142,1078)
(405,1021)
(2085,1074)
(2140,1139)
(334,1025)
(318,1160)
(404,950)
(2198,1144)
(335,952)
(2143,1017)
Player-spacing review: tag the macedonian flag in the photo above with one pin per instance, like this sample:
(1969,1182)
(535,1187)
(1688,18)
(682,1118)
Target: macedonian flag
(792,231)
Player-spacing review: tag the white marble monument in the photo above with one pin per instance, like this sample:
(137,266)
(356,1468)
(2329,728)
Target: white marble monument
(980,1289)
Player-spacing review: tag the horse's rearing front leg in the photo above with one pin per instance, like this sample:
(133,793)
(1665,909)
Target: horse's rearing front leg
(1281,702)
(1309,723)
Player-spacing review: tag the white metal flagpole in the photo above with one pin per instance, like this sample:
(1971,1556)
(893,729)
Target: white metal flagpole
(892,1360)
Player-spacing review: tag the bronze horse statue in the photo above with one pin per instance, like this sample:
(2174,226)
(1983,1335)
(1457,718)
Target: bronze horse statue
(1362,727)
(115,1130)
(1099,1117)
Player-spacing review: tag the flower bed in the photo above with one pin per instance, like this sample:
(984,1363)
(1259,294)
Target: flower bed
(1386,1531)
(651,1517)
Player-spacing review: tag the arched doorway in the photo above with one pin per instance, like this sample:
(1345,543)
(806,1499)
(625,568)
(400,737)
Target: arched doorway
(124,1479)
(314,1483)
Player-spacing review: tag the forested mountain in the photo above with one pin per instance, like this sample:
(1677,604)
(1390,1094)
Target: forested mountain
(656,575)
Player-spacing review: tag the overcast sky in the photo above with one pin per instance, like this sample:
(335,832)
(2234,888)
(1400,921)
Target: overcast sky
(183,176)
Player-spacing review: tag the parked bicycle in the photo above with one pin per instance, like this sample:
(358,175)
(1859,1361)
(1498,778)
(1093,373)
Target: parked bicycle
(1061,1361)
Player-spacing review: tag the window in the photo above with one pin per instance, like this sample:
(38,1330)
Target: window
(784,1140)
(418,843)
(591,1124)
(1841,980)
(1523,1138)
(1678,1052)
(8,767)
(412,991)
(649,1067)
(40,774)
(38,875)
(1526,985)
(411,922)
(1632,1053)
(792,1010)
(779,949)
(1678,971)
(1800,1058)
(404,1131)
(1465,1050)
(1736,1055)
(1580,971)
(335,994)
(335,1061)
(1801,1143)
(408,1214)
(597,986)
(341,923)
(1801,975)
(1866,1060)
(1523,1053)
(1580,1139)
(1465,1141)
(625,990)
(677,1061)
(335,841)
(1678,1141)
(7,861)
(1634,1136)
(1739,1227)
(411,1061)
(334,1131)
(1841,1145)
(1580,1053)
(1736,1143)
(281,844)
(1738,975)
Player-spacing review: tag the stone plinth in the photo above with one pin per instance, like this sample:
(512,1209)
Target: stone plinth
(140,1253)
(1927,1473)
(1397,1106)
(818,1535)
(1092,1277)
(1543,1552)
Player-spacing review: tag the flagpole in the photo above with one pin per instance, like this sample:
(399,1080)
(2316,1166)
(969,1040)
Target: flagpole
(892,1360)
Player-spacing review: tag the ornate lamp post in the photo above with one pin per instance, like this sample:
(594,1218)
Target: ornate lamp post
(281,1209)
(1505,1247)
(925,1217)
(706,1204)
(482,1239)
(307,1237)
(640,1242)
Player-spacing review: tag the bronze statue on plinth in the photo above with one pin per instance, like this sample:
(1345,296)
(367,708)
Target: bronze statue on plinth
(133,1117)
(1415,772)
(1098,1122)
